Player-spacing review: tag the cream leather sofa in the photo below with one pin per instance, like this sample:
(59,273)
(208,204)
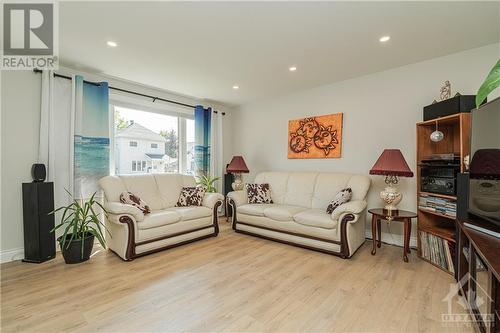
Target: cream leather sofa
(134,234)
(298,213)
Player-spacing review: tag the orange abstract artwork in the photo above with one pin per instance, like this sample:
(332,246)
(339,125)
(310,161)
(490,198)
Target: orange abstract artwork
(315,137)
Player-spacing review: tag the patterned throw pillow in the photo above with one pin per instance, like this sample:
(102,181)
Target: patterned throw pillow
(191,196)
(259,194)
(130,198)
(342,197)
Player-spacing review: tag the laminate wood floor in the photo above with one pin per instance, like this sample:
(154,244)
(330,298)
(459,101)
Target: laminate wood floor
(232,283)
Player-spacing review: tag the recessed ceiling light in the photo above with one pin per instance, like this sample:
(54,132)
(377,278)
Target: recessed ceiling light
(384,39)
(292,69)
(236,87)
(111,43)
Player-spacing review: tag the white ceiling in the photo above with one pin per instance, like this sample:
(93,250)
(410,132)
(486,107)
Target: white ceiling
(202,49)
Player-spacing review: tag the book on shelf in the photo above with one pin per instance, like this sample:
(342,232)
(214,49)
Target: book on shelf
(438,250)
(443,206)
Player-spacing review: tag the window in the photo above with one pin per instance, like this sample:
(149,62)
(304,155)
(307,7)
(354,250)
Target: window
(147,142)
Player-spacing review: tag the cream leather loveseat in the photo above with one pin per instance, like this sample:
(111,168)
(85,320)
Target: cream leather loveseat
(134,234)
(298,213)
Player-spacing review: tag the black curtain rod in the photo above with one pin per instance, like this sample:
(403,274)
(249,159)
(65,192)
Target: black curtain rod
(36,70)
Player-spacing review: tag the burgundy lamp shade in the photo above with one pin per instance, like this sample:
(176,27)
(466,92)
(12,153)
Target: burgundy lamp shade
(391,163)
(237,165)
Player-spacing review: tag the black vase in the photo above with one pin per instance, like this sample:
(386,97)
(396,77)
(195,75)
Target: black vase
(72,253)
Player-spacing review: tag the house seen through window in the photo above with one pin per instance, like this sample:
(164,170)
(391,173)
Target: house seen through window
(147,142)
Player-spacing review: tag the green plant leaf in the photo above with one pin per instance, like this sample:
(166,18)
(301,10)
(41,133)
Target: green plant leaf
(79,219)
(491,82)
(207,182)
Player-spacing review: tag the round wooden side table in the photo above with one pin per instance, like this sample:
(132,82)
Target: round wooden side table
(379,214)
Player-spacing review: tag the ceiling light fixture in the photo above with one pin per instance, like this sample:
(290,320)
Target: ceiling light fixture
(292,69)
(111,43)
(384,39)
(236,87)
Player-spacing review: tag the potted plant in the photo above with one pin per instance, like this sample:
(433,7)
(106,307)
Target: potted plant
(207,182)
(81,225)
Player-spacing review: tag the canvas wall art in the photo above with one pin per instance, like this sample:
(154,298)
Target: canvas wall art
(315,137)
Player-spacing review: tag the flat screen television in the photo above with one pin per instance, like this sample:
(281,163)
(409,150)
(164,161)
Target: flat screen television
(484,169)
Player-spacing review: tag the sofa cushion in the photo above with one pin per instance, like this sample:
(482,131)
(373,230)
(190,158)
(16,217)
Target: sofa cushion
(191,196)
(300,189)
(312,190)
(277,182)
(282,212)
(113,186)
(170,185)
(145,187)
(340,198)
(192,212)
(327,186)
(258,193)
(315,218)
(253,209)
(159,218)
(130,198)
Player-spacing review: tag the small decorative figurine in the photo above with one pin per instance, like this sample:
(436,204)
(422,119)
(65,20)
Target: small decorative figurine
(445,90)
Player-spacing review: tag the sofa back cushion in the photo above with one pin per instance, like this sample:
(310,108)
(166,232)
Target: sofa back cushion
(277,182)
(159,191)
(300,189)
(312,189)
(144,186)
(170,186)
(112,186)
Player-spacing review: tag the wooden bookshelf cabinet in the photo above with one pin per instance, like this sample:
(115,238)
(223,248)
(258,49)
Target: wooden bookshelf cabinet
(456,130)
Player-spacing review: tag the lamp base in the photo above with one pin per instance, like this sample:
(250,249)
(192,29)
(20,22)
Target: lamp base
(238,182)
(391,197)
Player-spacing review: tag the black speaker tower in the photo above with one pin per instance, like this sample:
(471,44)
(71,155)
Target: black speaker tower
(38,202)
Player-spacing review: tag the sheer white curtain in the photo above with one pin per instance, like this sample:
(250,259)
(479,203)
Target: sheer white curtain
(216,153)
(56,134)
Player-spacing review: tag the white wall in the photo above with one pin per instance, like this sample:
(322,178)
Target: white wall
(20,118)
(380,111)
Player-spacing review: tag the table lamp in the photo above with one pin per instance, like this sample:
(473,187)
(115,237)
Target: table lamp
(237,166)
(392,165)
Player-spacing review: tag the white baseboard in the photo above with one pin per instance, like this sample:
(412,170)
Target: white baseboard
(11,255)
(393,239)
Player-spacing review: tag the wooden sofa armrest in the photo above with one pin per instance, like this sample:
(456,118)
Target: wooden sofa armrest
(122,228)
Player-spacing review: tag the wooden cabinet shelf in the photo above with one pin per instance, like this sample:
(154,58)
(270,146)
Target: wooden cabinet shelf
(456,130)
(452,197)
(436,213)
(452,118)
(444,230)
